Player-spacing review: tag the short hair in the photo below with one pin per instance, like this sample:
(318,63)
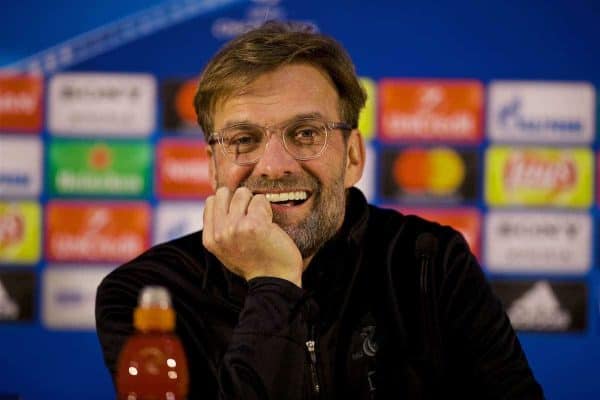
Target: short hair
(266,48)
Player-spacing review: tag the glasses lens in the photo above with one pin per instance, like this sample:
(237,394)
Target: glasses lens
(243,142)
(306,138)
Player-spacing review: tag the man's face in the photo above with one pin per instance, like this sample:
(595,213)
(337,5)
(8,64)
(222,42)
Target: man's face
(274,98)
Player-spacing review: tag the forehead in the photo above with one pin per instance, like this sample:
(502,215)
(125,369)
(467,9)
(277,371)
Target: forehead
(280,95)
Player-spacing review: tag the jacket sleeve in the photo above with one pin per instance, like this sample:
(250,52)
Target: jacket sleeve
(477,331)
(266,357)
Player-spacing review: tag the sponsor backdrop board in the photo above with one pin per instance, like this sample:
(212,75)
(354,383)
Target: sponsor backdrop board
(20,232)
(101,157)
(99,168)
(68,296)
(175,219)
(541,112)
(465,220)
(20,176)
(545,306)
(101,104)
(436,175)
(538,242)
(17,296)
(21,102)
(542,177)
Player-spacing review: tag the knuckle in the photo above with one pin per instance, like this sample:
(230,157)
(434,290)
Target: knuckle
(218,237)
(231,231)
(248,227)
(243,190)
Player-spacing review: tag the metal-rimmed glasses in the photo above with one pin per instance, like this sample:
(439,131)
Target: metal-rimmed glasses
(304,139)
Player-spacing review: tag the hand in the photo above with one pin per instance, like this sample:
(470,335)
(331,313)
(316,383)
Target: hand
(239,230)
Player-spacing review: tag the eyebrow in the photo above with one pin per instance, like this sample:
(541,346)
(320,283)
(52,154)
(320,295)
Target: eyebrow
(297,117)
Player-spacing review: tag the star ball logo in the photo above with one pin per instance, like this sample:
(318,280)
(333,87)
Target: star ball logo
(100,157)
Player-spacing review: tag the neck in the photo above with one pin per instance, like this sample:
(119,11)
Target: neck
(306,262)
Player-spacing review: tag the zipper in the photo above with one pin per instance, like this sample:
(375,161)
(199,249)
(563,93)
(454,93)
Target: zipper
(312,353)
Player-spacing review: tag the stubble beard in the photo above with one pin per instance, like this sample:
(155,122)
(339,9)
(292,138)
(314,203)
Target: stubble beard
(323,220)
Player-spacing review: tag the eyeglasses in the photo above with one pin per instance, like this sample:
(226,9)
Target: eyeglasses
(303,139)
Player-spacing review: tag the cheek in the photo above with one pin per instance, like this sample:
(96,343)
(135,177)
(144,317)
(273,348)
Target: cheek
(231,176)
(327,169)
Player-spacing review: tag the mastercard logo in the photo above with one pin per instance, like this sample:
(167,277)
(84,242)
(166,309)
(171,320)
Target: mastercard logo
(184,102)
(438,171)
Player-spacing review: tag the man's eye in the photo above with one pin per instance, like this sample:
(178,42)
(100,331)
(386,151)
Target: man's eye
(244,142)
(307,135)
(240,140)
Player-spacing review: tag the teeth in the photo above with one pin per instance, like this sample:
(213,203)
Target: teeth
(280,197)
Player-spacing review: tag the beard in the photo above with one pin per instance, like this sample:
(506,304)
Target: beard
(323,220)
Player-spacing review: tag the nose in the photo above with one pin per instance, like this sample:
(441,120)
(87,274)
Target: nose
(275,161)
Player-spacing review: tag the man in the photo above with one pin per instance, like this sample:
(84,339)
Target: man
(297,288)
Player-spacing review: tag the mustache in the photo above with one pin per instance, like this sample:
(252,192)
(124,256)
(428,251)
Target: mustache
(285,183)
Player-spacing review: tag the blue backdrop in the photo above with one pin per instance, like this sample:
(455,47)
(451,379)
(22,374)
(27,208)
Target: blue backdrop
(534,40)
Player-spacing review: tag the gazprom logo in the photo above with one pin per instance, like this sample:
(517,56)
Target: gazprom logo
(541,112)
(511,117)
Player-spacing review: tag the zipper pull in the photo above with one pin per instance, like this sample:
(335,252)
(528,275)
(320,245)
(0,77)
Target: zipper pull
(310,345)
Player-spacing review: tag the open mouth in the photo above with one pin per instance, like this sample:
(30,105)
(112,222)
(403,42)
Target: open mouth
(288,198)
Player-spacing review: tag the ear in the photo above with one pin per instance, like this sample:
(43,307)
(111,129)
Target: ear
(212,167)
(355,158)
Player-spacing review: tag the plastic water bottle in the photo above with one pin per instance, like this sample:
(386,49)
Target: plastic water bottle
(152,364)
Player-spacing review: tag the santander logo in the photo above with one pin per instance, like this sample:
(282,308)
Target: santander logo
(534,171)
(18,102)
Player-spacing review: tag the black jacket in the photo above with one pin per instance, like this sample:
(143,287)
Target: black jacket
(396,306)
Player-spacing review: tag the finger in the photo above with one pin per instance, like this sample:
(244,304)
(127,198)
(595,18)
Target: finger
(221,207)
(239,203)
(208,224)
(260,207)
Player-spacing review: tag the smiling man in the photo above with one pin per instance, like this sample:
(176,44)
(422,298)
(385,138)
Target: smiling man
(297,288)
